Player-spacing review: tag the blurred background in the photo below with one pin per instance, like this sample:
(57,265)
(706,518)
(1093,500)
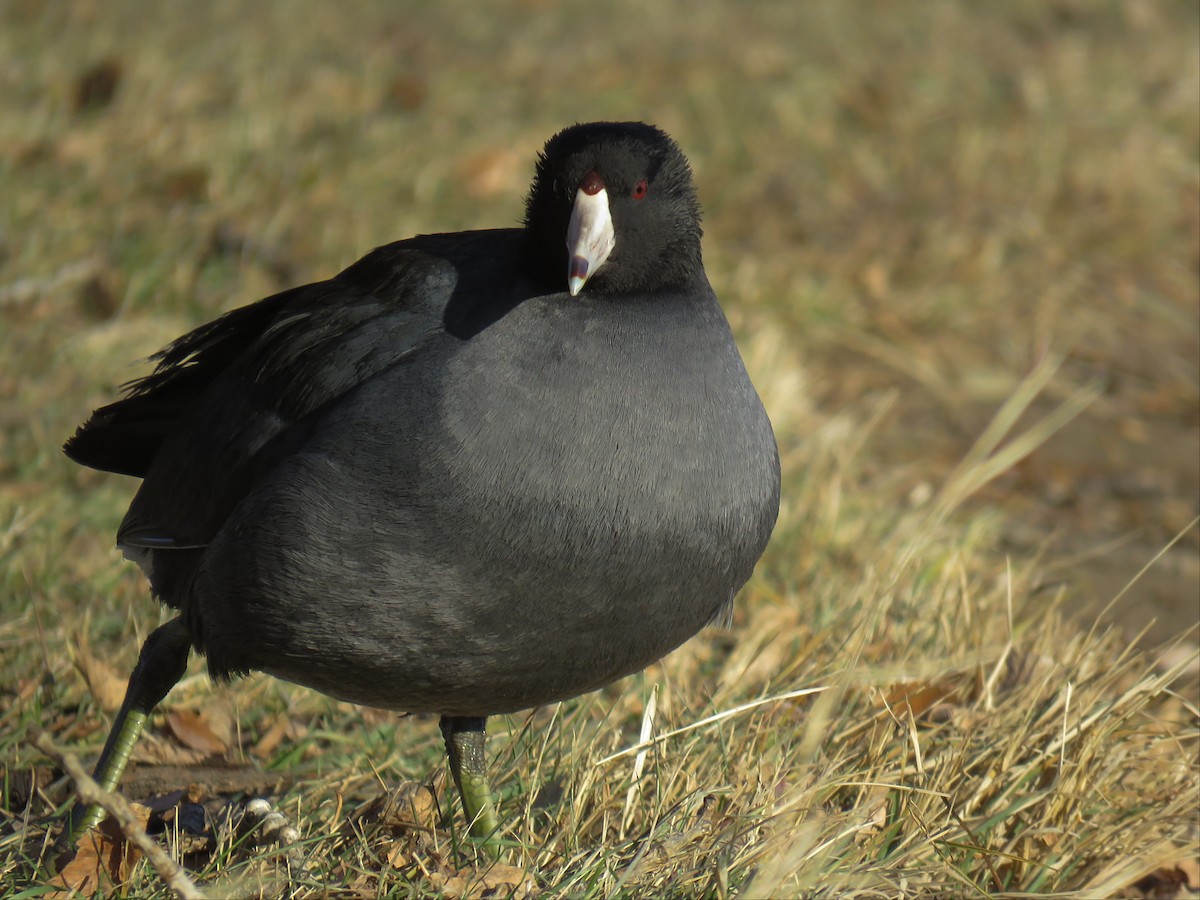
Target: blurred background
(909,208)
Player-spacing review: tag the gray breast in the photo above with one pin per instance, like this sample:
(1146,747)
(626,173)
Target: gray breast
(494,541)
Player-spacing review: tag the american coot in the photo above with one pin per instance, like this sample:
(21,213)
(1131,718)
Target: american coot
(439,482)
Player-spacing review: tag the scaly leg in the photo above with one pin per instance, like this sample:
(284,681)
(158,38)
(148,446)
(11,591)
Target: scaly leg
(160,665)
(465,740)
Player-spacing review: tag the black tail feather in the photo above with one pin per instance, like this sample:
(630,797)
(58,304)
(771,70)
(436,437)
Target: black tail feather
(125,436)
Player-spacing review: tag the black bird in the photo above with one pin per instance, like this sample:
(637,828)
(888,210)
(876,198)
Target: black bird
(439,482)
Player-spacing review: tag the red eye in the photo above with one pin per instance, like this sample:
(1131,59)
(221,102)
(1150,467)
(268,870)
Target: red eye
(639,189)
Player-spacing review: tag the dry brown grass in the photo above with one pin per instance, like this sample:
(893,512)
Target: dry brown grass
(922,219)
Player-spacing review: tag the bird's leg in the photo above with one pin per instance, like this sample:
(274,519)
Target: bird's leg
(465,739)
(160,665)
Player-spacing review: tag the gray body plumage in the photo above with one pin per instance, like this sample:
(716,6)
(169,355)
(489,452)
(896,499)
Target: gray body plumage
(468,529)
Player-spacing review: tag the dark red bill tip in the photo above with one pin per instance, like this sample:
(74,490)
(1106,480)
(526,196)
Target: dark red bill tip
(579,267)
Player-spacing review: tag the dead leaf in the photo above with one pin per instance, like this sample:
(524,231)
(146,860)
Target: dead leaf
(196,730)
(365,885)
(874,807)
(496,880)
(103,859)
(97,85)
(399,855)
(1191,871)
(105,685)
(965,718)
(155,750)
(414,805)
(921,696)
(1166,882)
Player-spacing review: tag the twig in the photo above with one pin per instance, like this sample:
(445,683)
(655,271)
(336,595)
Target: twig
(118,807)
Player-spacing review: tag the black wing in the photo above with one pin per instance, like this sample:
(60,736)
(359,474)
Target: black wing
(125,436)
(231,398)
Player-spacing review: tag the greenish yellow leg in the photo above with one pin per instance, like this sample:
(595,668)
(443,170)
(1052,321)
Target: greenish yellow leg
(161,664)
(465,743)
(127,728)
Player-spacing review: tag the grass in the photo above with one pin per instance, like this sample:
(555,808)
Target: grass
(921,220)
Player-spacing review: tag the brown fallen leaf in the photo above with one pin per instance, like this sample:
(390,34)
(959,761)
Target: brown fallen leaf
(398,855)
(196,730)
(1191,871)
(105,684)
(1167,882)
(364,885)
(922,696)
(156,750)
(414,805)
(103,860)
(496,880)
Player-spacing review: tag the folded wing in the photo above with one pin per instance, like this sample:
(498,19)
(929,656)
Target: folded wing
(229,400)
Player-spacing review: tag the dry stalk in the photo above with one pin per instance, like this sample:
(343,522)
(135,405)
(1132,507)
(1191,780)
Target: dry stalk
(118,807)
